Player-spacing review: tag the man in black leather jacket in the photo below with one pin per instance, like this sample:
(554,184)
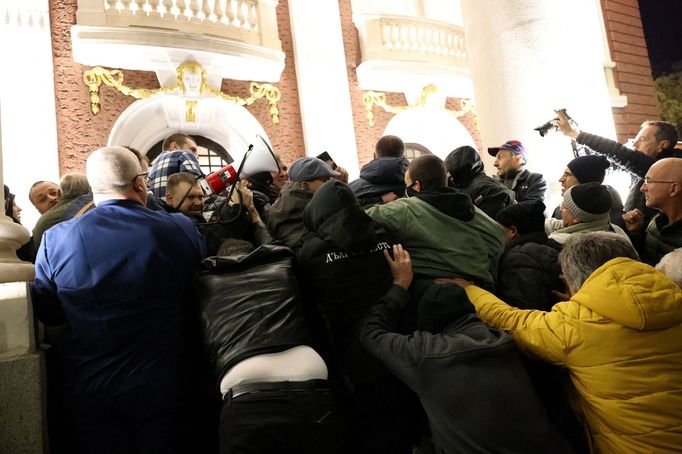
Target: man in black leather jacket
(274,385)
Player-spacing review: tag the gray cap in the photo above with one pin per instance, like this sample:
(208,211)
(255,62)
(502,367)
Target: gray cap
(307,169)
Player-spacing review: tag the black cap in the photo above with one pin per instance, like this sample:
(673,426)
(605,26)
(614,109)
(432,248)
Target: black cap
(589,169)
(527,216)
(441,305)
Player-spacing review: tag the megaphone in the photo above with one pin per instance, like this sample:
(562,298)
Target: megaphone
(258,158)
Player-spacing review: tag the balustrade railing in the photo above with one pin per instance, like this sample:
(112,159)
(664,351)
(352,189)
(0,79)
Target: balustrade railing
(397,37)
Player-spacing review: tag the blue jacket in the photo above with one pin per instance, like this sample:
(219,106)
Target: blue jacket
(118,277)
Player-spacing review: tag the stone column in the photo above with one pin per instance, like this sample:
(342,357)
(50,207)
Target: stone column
(22,416)
(529,57)
(322,79)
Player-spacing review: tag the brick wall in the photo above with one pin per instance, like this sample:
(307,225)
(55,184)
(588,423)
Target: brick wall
(366,136)
(79,132)
(632,74)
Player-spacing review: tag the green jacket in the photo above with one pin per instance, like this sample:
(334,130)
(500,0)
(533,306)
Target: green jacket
(445,235)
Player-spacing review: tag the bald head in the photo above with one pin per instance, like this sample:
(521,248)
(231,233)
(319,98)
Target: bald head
(662,187)
(115,173)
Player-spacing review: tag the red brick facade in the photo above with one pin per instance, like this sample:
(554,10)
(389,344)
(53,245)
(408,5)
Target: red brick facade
(633,70)
(79,131)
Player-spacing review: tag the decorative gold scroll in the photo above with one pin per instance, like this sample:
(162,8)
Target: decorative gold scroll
(373,98)
(95,77)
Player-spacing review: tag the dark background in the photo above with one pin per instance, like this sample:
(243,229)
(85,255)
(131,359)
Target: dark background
(662,21)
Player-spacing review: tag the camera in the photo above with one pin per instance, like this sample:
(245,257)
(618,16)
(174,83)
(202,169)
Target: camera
(544,129)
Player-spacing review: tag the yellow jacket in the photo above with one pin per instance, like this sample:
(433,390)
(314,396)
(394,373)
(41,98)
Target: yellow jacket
(620,336)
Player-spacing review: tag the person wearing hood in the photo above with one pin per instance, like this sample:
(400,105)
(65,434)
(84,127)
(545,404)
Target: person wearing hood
(441,227)
(465,173)
(13,211)
(345,272)
(382,180)
(591,169)
(619,334)
(260,185)
(468,377)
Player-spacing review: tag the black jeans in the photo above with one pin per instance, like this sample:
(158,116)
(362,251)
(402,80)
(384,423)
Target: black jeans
(286,420)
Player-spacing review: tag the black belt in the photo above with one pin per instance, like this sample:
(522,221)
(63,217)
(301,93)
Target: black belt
(250,388)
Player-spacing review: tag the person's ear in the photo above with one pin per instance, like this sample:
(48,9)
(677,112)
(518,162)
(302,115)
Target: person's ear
(675,189)
(417,186)
(665,144)
(513,232)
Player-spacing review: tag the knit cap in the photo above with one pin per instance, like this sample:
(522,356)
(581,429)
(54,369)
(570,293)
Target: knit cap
(591,168)
(588,202)
(527,216)
(441,305)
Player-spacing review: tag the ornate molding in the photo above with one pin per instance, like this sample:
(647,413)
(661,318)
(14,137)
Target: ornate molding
(190,83)
(373,98)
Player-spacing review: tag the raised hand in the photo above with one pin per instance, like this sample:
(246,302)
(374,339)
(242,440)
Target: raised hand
(401,266)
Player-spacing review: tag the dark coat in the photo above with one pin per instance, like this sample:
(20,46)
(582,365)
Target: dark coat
(660,239)
(345,272)
(466,174)
(469,379)
(526,185)
(378,177)
(632,161)
(529,271)
(250,305)
(285,216)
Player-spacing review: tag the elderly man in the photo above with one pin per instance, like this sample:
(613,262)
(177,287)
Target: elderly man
(184,193)
(442,228)
(71,186)
(655,140)
(662,189)
(619,334)
(510,162)
(118,277)
(179,155)
(44,195)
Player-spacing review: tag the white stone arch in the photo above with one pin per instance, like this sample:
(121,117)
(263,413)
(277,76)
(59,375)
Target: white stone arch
(439,130)
(146,122)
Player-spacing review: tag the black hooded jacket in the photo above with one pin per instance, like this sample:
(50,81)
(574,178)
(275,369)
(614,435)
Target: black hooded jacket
(466,174)
(529,271)
(469,379)
(345,272)
(378,177)
(250,305)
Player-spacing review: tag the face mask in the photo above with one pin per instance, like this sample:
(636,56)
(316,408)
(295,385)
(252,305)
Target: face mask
(410,192)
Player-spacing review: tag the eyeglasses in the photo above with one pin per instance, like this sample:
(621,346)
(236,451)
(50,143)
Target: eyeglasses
(567,174)
(648,180)
(144,174)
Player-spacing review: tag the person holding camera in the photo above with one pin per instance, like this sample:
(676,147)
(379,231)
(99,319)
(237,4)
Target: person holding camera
(655,140)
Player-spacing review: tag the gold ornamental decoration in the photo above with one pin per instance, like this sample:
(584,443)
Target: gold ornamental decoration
(374,98)
(190,82)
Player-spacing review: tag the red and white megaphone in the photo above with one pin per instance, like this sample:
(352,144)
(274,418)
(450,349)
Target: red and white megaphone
(258,158)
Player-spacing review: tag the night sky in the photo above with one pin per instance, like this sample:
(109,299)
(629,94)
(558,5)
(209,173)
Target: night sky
(662,20)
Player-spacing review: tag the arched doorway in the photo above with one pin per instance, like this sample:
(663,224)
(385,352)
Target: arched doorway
(222,129)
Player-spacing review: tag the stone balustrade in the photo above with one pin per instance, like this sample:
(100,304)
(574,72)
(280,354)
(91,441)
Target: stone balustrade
(415,39)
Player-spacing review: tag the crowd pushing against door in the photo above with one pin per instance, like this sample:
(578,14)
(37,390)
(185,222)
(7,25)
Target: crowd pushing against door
(425,307)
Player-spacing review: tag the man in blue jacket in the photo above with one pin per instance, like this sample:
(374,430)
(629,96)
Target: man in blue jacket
(118,277)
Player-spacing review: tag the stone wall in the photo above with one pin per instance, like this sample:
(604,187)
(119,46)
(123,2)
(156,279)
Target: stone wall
(79,132)
(633,71)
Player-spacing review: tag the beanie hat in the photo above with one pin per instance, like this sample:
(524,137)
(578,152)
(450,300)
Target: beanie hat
(588,202)
(591,168)
(527,216)
(441,305)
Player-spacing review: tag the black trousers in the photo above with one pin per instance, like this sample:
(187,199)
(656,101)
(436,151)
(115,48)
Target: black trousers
(281,418)
(147,419)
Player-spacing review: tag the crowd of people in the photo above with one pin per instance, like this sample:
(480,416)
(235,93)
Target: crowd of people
(425,307)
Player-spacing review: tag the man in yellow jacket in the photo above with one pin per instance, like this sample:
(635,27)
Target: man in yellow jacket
(620,337)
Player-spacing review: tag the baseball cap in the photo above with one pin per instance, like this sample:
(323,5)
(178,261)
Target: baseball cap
(514,146)
(309,168)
